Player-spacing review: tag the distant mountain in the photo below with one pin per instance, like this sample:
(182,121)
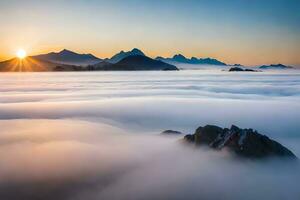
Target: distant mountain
(133,63)
(130,63)
(182,59)
(135,59)
(119,56)
(275,66)
(69,58)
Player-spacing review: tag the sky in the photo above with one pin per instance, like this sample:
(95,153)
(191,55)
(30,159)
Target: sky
(235,31)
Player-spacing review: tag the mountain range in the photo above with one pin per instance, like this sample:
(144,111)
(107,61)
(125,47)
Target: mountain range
(67,60)
(179,58)
(129,63)
(275,66)
(135,59)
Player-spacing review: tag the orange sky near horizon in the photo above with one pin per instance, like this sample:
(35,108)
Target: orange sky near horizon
(227,55)
(248,34)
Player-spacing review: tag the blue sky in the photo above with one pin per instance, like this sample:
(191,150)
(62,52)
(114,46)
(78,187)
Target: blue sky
(235,31)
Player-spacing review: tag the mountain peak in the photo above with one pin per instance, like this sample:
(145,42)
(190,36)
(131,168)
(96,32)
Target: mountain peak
(119,56)
(66,51)
(179,56)
(141,62)
(137,51)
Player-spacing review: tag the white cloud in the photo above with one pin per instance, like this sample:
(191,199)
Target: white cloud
(95,135)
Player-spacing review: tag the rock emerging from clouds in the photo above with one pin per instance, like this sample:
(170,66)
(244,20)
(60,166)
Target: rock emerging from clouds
(171,132)
(244,142)
(239,69)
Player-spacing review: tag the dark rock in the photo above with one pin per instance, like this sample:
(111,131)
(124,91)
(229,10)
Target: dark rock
(189,138)
(171,132)
(169,69)
(238,69)
(250,70)
(243,142)
(212,133)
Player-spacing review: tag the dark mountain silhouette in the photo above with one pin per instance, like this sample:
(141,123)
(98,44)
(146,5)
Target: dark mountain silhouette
(121,55)
(132,63)
(69,58)
(135,59)
(275,66)
(179,58)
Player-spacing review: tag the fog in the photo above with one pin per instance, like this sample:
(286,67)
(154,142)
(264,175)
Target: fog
(97,135)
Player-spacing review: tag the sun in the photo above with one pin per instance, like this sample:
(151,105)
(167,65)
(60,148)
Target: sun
(21,53)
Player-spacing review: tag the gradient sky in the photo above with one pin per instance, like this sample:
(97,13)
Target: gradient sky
(250,32)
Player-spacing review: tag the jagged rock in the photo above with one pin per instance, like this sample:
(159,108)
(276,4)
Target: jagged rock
(244,142)
(171,132)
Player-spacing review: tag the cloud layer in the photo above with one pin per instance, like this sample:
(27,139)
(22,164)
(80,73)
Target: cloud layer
(96,135)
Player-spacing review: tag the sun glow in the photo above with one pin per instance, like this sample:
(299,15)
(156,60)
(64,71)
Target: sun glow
(21,53)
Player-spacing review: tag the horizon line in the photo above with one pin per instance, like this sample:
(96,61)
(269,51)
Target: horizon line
(153,57)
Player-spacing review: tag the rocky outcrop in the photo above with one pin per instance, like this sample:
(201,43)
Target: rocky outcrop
(171,132)
(239,69)
(236,69)
(244,142)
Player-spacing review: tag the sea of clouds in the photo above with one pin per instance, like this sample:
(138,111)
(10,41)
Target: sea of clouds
(97,135)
